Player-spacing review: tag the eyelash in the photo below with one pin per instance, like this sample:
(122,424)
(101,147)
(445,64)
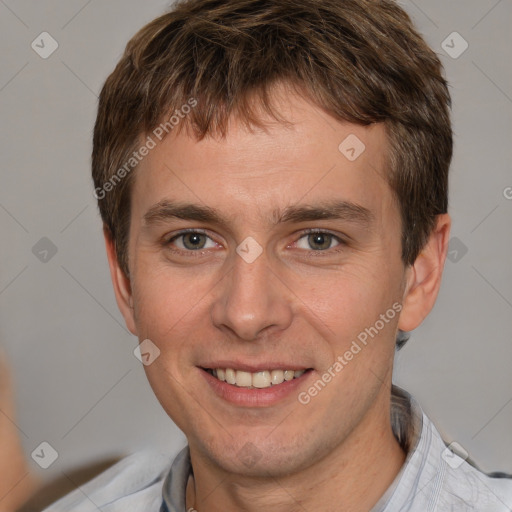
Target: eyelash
(181,252)
(190,253)
(342,243)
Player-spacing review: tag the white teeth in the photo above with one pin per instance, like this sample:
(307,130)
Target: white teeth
(288,374)
(262,379)
(230,376)
(243,379)
(277,376)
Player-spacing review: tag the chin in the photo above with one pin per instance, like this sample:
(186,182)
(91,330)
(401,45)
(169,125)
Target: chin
(258,456)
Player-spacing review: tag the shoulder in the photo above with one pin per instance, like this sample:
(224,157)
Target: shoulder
(135,481)
(440,477)
(466,486)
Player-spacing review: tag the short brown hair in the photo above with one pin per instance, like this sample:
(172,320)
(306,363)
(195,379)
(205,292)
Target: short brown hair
(361,61)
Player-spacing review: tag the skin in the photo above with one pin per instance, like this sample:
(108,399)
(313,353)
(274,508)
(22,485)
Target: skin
(17,483)
(293,303)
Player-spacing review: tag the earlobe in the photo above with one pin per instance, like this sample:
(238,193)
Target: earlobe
(424,277)
(121,284)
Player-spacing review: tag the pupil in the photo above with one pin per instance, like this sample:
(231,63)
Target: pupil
(320,240)
(193,241)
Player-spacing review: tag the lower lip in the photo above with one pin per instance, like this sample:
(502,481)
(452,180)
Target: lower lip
(255,397)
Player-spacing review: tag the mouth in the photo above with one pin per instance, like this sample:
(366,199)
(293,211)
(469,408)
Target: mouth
(255,380)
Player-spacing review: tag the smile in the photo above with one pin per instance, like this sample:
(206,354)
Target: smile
(260,380)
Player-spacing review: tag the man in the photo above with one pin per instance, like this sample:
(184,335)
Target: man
(272,178)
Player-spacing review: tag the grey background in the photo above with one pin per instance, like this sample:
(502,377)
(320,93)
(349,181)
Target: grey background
(79,386)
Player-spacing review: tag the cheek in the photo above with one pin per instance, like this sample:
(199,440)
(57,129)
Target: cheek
(164,296)
(345,310)
(350,296)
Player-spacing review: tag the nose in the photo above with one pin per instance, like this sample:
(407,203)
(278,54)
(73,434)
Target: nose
(251,300)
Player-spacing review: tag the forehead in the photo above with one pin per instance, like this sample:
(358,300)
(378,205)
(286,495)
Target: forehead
(258,169)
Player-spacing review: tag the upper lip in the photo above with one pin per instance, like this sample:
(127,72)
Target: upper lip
(254,367)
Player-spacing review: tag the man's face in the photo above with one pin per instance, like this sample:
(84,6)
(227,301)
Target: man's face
(299,304)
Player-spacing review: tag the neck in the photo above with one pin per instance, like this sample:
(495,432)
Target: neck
(352,477)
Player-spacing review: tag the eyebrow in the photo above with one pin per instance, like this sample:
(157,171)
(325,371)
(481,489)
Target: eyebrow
(326,210)
(337,210)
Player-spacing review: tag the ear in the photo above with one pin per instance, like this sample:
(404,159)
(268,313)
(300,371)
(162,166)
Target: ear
(121,283)
(424,277)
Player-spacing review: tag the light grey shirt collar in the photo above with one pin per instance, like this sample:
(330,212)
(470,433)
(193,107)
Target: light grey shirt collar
(406,419)
(432,479)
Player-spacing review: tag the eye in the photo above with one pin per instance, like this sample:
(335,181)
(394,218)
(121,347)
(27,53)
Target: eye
(192,241)
(318,241)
